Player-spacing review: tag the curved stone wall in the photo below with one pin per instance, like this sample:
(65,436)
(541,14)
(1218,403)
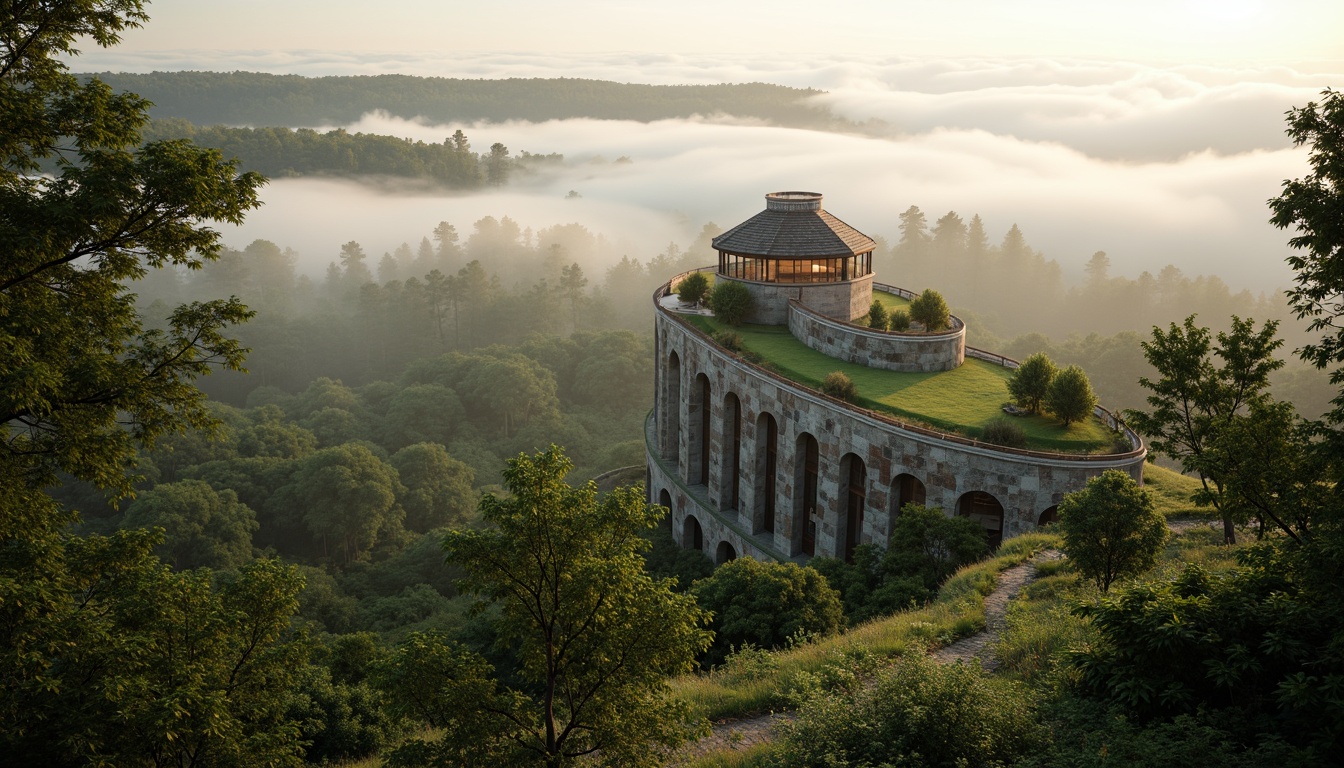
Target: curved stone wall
(695,421)
(770,301)
(888,350)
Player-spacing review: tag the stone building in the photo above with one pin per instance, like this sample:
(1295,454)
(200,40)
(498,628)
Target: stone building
(750,462)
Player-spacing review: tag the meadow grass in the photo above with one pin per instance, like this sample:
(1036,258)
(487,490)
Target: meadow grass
(766,684)
(964,399)
(1170,491)
(754,756)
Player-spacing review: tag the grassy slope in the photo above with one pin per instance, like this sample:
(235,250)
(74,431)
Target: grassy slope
(959,611)
(961,400)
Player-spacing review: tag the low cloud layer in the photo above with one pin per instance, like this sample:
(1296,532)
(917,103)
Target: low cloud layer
(1153,164)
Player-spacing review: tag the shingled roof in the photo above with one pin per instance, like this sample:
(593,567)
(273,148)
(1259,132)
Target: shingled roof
(794,226)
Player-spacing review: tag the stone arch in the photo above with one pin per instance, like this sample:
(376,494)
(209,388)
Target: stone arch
(691,535)
(854,498)
(1050,515)
(905,489)
(672,407)
(730,458)
(986,510)
(767,469)
(806,513)
(724,553)
(697,470)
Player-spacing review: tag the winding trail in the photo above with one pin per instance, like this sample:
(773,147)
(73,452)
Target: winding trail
(741,733)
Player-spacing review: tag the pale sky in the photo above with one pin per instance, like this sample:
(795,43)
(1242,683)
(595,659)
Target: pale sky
(1165,31)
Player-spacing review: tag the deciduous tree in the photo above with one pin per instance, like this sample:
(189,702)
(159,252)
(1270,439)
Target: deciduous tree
(1030,382)
(1070,396)
(596,636)
(930,310)
(1111,529)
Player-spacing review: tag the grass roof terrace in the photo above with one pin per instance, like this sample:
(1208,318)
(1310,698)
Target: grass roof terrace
(963,400)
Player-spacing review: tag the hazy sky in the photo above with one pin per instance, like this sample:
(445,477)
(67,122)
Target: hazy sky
(1166,30)
(1151,130)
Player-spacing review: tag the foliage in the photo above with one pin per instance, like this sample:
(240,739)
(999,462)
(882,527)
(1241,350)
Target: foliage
(339,720)
(438,488)
(916,712)
(144,664)
(899,320)
(1311,206)
(929,309)
(731,301)
(82,381)
(202,528)
(1070,396)
(666,559)
(1110,529)
(346,496)
(838,385)
(877,315)
(1030,382)
(1195,400)
(765,604)
(729,340)
(1001,431)
(596,636)
(693,288)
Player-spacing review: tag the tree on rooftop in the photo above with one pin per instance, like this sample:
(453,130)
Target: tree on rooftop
(692,288)
(930,310)
(1070,396)
(731,301)
(1030,382)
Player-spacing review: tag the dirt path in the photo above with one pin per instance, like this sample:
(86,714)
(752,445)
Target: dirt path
(758,729)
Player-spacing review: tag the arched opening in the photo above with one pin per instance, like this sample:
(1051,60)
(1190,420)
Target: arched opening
(985,510)
(905,489)
(807,458)
(731,470)
(1050,515)
(691,535)
(672,408)
(724,553)
(697,472)
(854,482)
(665,501)
(767,465)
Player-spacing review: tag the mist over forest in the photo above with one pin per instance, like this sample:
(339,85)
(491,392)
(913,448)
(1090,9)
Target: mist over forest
(1154,165)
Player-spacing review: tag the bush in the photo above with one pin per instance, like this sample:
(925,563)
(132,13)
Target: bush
(839,385)
(1004,432)
(765,604)
(1111,529)
(1030,383)
(899,320)
(930,310)
(877,315)
(1070,396)
(729,340)
(917,712)
(731,302)
(693,288)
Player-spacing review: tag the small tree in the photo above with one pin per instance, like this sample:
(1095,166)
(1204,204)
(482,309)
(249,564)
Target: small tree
(765,604)
(930,310)
(877,315)
(1030,383)
(1070,396)
(596,636)
(1111,529)
(731,301)
(837,384)
(899,320)
(693,288)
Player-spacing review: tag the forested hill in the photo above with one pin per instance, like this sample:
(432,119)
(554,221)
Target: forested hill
(254,98)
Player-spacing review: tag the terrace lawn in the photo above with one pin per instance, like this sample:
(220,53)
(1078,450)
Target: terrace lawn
(962,400)
(891,301)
